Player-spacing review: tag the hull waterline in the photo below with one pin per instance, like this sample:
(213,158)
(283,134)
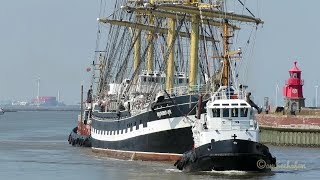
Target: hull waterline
(233,154)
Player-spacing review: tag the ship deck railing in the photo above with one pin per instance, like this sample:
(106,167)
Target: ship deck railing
(225,92)
(159,1)
(187,90)
(222,95)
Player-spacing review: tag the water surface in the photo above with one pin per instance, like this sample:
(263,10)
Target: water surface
(33,145)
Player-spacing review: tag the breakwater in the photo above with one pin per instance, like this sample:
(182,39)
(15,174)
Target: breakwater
(41,108)
(302,129)
(306,136)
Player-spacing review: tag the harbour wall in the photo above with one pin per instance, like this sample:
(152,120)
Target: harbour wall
(302,129)
(290,136)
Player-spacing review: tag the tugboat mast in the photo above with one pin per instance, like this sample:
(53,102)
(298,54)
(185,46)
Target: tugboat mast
(225,81)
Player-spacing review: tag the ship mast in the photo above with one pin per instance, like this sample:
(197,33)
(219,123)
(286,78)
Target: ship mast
(194,40)
(189,11)
(226,64)
(170,61)
(194,46)
(149,64)
(137,45)
(227,55)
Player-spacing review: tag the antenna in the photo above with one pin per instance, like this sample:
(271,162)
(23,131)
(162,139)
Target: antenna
(38,95)
(58,96)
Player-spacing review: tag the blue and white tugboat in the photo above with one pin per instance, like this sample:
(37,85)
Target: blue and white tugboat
(226,138)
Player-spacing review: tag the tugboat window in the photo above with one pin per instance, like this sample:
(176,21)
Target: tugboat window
(243,112)
(234,112)
(216,112)
(251,114)
(225,112)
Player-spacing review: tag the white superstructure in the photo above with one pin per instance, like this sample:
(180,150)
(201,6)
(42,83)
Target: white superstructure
(229,116)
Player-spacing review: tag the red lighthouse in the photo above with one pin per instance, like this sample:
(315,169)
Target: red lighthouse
(292,90)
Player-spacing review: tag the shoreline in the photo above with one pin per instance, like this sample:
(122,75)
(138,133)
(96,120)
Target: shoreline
(47,108)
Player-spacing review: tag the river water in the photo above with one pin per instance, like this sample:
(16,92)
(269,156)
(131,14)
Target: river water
(33,145)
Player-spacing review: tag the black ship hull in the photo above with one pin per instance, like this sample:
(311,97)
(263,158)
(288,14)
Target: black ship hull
(165,128)
(171,141)
(233,154)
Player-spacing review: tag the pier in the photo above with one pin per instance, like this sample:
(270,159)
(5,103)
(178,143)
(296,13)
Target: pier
(291,130)
(306,136)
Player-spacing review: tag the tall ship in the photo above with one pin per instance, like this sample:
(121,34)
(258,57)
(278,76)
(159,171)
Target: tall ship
(156,61)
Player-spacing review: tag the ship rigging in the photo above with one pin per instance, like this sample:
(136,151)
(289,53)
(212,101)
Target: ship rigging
(161,57)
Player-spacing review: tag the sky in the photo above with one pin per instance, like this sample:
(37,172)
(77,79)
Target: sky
(290,33)
(50,40)
(55,41)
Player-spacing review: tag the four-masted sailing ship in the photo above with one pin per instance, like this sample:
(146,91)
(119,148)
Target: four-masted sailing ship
(155,59)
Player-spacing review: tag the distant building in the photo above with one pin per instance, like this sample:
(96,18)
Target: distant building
(19,103)
(45,101)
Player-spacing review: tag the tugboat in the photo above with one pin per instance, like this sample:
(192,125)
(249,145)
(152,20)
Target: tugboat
(1,111)
(226,136)
(81,135)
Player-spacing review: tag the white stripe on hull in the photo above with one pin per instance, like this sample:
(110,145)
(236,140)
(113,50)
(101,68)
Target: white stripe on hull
(152,127)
